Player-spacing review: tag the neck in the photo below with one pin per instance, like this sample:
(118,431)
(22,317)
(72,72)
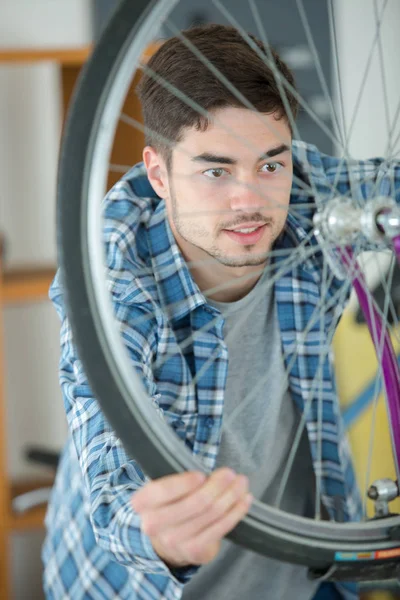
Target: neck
(222,283)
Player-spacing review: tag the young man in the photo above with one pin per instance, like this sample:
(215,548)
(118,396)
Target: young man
(188,237)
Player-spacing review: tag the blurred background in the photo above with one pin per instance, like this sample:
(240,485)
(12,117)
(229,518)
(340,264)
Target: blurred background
(43,45)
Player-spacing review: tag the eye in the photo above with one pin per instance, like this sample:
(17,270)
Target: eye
(214,173)
(272,167)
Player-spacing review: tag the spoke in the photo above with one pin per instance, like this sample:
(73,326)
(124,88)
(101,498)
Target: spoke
(379,343)
(135,124)
(193,105)
(303,220)
(233,89)
(272,65)
(321,308)
(318,311)
(392,144)
(384,279)
(185,343)
(221,77)
(373,303)
(277,76)
(303,205)
(385,93)
(376,177)
(302,252)
(378,387)
(271,202)
(356,167)
(296,256)
(383,76)
(396,142)
(305,189)
(358,101)
(271,61)
(337,299)
(333,34)
(380,176)
(324,291)
(377,391)
(263,382)
(239,321)
(318,67)
(287,85)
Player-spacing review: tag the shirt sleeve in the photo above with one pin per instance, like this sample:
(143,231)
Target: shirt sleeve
(363,180)
(109,475)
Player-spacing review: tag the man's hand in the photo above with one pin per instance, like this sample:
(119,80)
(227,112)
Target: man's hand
(187,515)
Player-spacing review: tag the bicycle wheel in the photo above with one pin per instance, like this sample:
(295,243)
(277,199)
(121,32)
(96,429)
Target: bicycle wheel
(346,551)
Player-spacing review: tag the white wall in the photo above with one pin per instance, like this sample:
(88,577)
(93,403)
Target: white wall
(30,128)
(45,23)
(356,29)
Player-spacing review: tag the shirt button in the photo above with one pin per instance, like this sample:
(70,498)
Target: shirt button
(209,422)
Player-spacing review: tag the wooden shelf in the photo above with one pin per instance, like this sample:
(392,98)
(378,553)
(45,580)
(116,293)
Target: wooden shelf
(21,285)
(63,56)
(31,519)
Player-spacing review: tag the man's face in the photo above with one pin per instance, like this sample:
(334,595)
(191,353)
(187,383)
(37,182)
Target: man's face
(227,193)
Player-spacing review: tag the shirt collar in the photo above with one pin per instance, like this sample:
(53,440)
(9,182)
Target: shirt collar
(179,293)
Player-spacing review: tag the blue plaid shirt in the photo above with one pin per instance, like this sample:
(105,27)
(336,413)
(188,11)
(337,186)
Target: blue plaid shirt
(94,546)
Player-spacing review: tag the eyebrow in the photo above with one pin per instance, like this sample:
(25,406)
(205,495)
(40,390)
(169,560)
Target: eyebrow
(227,160)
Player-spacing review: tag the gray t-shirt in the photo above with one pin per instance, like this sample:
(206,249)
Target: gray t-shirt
(260,422)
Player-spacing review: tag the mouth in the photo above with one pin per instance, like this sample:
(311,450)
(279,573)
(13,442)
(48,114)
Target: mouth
(246,235)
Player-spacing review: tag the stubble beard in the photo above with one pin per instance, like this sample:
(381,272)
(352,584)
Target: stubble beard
(190,231)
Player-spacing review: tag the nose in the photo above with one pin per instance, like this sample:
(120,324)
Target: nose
(247,197)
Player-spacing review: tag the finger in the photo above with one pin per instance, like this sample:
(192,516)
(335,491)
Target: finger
(195,512)
(195,549)
(166,490)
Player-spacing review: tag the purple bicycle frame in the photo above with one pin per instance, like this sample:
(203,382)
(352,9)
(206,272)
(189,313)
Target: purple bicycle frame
(381,340)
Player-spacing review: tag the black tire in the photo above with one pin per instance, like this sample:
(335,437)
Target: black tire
(138,437)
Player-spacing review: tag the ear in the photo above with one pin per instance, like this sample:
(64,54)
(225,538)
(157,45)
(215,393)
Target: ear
(156,171)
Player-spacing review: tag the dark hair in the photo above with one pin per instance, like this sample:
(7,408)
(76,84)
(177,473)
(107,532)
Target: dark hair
(167,115)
